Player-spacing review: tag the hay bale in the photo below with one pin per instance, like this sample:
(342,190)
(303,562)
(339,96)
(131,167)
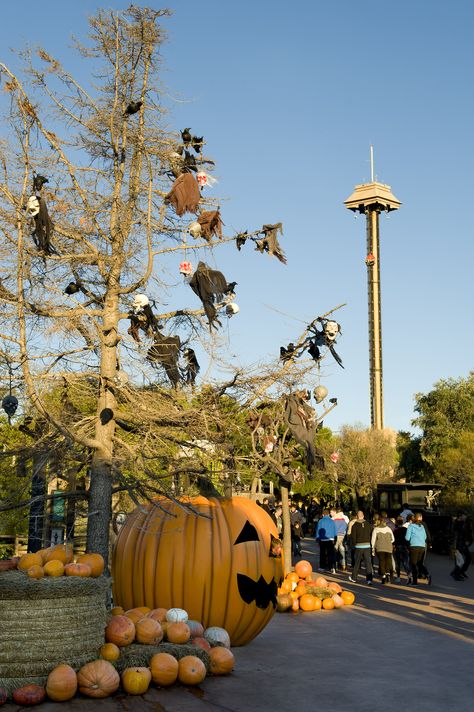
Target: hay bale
(136,655)
(46,622)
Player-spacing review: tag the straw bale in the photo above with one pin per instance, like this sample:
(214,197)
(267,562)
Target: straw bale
(46,622)
(136,655)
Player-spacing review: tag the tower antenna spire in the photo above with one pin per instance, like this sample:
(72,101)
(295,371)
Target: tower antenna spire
(372,178)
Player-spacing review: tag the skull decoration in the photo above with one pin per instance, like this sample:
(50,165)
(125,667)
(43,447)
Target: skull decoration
(320,393)
(195,229)
(32,206)
(185,268)
(9,405)
(140,301)
(204,179)
(231,309)
(331,331)
(222,568)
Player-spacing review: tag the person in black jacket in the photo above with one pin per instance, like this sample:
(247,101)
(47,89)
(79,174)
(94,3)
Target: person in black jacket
(361,533)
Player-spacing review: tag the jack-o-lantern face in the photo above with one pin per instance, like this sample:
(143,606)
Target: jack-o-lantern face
(222,566)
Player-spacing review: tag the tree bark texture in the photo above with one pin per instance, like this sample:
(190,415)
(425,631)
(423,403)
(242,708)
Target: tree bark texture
(38,490)
(285,504)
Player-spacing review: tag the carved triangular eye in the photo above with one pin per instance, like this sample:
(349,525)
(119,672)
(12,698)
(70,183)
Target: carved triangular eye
(248,533)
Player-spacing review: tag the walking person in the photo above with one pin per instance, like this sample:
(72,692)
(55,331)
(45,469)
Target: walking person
(402,558)
(296,520)
(326,536)
(382,540)
(361,533)
(341,522)
(463,538)
(416,538)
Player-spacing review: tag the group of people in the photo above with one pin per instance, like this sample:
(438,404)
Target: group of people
(400,544)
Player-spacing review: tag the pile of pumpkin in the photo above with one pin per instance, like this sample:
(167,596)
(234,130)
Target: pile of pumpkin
(100,677)
(302,590)
(59,561)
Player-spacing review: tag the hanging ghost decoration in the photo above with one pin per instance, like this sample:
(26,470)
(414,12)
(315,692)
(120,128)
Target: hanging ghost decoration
(165,351)
(210,285)
(184,195)
(211,224)
(302,422)
(269,243)
(192,367)
(32,206)
(141,317)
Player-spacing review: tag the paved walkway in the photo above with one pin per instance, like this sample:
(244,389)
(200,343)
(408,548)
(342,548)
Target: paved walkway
(399,647)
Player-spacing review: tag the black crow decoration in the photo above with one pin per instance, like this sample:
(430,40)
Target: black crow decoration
(287,352)
(133,108)
(210,285)
(186,136)
(197,142)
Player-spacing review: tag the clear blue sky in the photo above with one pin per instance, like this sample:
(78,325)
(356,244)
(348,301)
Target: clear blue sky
(289,97)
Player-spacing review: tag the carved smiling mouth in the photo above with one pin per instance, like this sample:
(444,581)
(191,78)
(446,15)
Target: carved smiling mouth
(260,591)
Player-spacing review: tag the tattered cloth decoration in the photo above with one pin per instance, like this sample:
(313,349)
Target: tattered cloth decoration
(270,243)
(211,224)
(302,422)
(184,195)
(165,351)
(43,228)
(210,284)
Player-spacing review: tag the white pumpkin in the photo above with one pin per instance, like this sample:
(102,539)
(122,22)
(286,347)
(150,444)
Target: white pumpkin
(176,615)
(338,602)
(216,635)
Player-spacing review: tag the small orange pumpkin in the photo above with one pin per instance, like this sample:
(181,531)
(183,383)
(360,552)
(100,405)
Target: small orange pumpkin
(348,597)
(110,652)
(148,632)
(62,683)
(95,561)
(120,630)
(135,614)
(301,589)
(286,587)
(164,669)
(98,679)
(191,670)
(307,602)
(284,602)
(201,643)
(35,572)
(335,587)
(317,604)
(53,567)
(29,695)
(28,560)
(303,568)
(328,604)
(321,582)
(178,633)
(158,614)
(295,606)
(62,552)
(293,577)
(136,680)
(222,661)
(117,611)
(82,570)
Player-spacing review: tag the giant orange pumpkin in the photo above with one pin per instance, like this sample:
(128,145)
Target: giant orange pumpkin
(218,568)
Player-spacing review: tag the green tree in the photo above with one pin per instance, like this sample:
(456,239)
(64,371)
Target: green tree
(411,465)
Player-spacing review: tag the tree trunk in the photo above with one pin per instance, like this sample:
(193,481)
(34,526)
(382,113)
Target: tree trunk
(100,506)
(285,504)
(38,489)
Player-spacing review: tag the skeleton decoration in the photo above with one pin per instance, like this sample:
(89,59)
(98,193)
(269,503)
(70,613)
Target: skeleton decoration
(37,209)
(195,230)
(192,367)
(211,224)
(184,195)
(141,317)
(269,243)
(320,393)
(165,351)
(302,422)
(318,338)
(210,286)
(231,309)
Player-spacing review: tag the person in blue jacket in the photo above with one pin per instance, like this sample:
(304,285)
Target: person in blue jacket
(416,538)
(326,533)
